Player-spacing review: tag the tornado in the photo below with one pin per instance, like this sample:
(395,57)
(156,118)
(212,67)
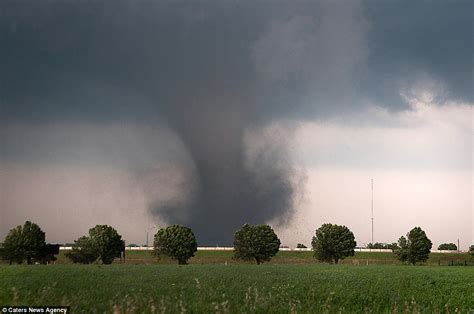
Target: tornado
(216,74)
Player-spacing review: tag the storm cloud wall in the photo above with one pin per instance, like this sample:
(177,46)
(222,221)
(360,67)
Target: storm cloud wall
(210,72)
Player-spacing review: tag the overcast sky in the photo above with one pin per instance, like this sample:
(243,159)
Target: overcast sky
(212,114)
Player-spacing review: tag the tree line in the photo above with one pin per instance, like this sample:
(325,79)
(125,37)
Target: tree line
(391,246)
(331,243)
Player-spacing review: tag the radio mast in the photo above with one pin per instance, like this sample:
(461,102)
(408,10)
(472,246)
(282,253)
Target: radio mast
(372,188)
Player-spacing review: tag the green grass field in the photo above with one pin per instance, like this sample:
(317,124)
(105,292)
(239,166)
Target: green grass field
(267,288)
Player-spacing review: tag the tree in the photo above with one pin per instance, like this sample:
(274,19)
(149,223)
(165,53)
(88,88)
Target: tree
(177,242)
(107,242)
(300,246)
(258,242)
(333,243)
(83,251)
(471,250)
(400,249)
(48,253)
(448,247)
(25,242)
(103,243)
(12,246)
(392,246)
(416,247)
(377,245)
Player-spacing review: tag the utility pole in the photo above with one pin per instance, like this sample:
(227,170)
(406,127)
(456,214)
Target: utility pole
(372,187)
(459,249)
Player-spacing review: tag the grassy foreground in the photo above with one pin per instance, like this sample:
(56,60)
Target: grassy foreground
(240,288)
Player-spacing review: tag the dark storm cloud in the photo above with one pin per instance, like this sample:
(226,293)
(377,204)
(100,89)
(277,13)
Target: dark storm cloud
(59,49)
(173,63)
(56,51)
(210,71)
(406,37)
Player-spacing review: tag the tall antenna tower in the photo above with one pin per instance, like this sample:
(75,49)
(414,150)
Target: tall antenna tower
(372,188)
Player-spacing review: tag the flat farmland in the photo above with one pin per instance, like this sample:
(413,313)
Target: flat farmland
(290,257)
(237,288)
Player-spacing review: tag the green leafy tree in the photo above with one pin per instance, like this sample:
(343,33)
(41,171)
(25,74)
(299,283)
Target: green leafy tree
(25,242)
(177,242)
(12,246)
(448,247)
(300,246)
(107,242)
(471,250)
(48,253)
(258,242)
(377,245)
(103,243)
(416,247)
(83,251)
(400,249)
(333,243)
